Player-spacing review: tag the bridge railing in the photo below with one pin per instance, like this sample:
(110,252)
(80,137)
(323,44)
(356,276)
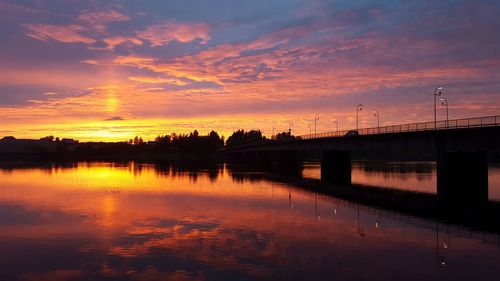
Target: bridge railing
(485,121)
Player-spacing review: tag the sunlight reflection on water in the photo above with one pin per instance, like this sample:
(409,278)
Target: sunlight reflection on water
(128,221)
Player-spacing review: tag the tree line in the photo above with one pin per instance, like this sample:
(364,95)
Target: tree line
(173,145)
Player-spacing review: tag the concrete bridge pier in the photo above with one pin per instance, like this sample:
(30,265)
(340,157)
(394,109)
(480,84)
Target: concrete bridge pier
(250,157)
(336,166)
(462,178)
(236,157)
(264,160)
(288,162)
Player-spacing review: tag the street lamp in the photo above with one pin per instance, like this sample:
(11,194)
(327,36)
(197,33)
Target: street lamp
(375,113)
(273,132)
(290,124)
(336,122)
(316,118)
(359,107)
(310,128)
(444,102)
(437,92)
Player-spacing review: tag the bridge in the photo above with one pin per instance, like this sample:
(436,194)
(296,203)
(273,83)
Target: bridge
(461,148)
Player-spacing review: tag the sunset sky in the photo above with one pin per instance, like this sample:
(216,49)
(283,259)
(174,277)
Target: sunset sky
(111,70)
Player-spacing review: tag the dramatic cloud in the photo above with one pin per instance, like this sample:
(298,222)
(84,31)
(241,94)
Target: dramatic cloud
(251,65)
(103,17)
(164,33)
(97,20)
(157,80)
(112,42)
(62,33)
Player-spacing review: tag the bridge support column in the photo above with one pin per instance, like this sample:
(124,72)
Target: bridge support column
(236,157)
(250,157)
(288,161)
(462,178)
(264,160)
(336,166)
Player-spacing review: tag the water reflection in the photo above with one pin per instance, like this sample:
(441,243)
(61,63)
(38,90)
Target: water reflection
(408,176)
(129,221)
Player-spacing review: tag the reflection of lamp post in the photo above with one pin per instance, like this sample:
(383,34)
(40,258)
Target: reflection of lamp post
(359,107)
(316,118)
(437,92)
(444,102)
(440,257)
(379,219)
(375,113)
(336,122)
(361,232)
(316,212)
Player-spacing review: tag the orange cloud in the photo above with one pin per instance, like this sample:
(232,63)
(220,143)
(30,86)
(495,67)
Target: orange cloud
(134,60)
(157,80)
(112,42)
(61,33)
(163,33)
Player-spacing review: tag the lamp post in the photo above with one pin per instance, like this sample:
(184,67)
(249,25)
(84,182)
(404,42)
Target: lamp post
(375,113)
(272,136)
(336,122)
(444,102)
(316,118)
(437,92)
(310,130)
(359,107)
(290,124)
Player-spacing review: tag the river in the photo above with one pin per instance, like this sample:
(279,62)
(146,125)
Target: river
(130,221)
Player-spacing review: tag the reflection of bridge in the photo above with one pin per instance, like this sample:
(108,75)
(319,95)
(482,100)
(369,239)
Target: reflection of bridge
(461,148)
(407,206)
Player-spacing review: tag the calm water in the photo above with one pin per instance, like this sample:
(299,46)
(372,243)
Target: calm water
(105,221)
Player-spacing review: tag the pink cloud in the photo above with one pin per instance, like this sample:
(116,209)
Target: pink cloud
(103,16)
(163,33)
(61,33)
(112,42)
(97,20)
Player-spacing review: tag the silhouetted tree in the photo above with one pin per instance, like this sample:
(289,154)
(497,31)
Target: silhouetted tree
(240,137)
(284,136)
(47,138)
(138,140)
(192,143)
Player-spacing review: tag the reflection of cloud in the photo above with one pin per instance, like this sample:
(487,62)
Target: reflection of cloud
(163,33)
(55,275)
(152,273)
(61,33)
